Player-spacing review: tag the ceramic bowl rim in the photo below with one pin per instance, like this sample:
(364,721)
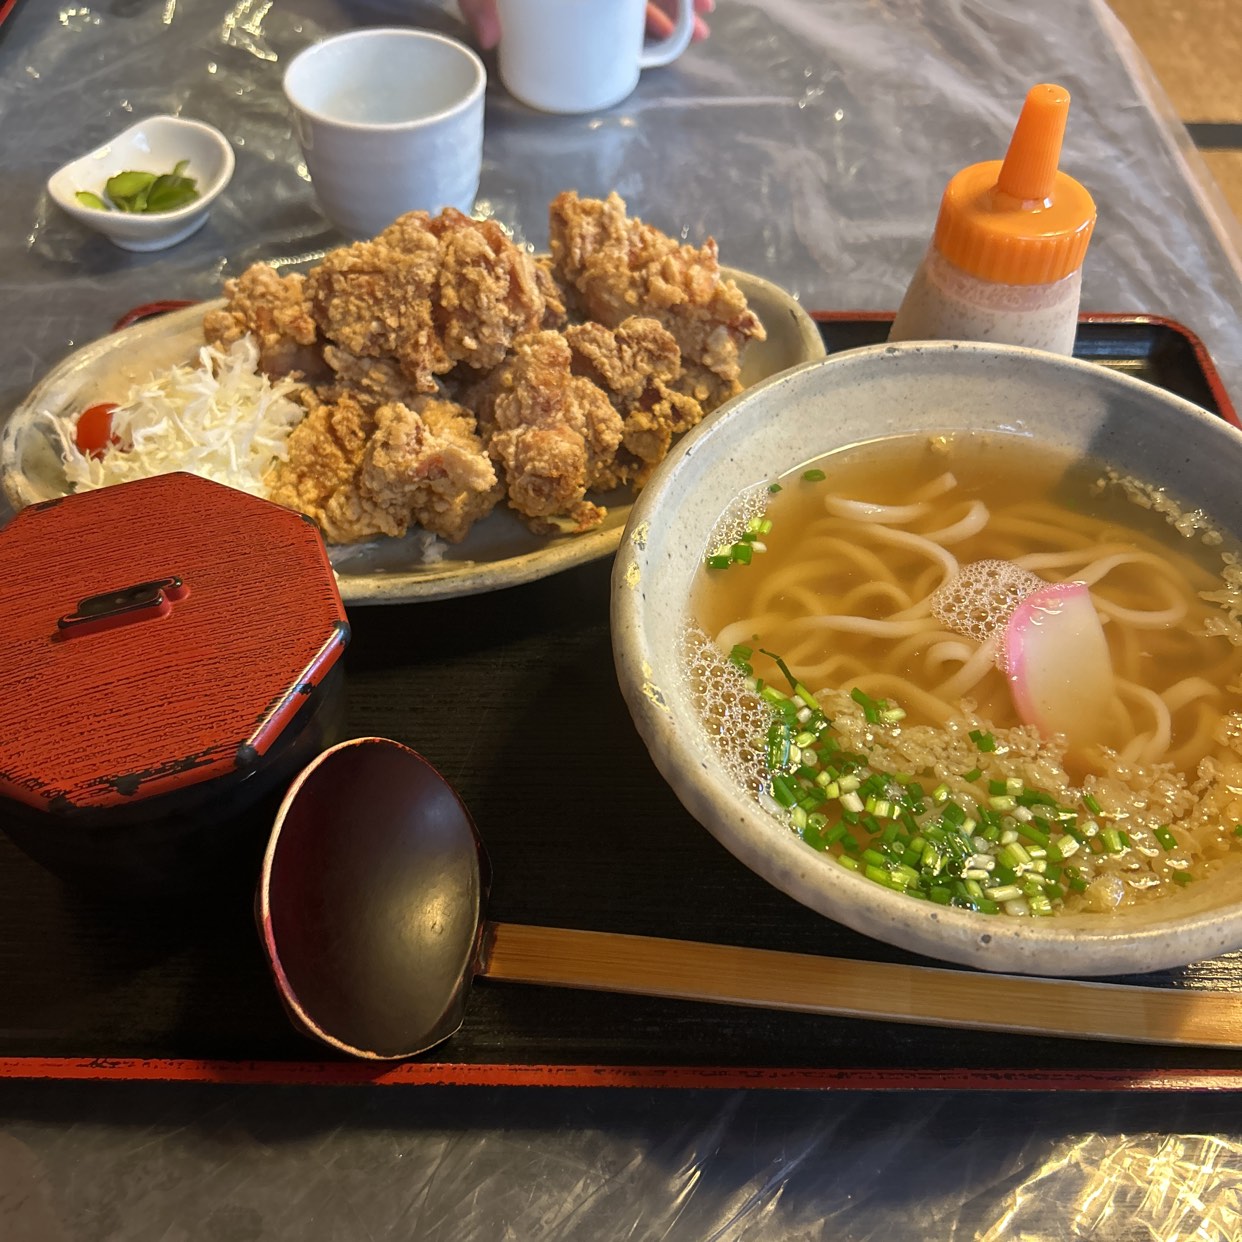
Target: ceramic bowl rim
(309,53)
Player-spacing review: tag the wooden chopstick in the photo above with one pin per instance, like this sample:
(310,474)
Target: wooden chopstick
(688,970)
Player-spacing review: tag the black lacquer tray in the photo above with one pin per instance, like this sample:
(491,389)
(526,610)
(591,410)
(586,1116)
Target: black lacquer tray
(513,697)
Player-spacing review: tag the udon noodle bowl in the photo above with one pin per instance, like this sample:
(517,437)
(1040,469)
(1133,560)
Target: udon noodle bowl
(980,674)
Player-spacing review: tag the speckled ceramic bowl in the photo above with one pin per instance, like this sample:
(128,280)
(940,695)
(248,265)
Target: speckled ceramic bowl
(863,395)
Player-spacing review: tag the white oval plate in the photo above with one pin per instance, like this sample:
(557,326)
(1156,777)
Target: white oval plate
(498,552)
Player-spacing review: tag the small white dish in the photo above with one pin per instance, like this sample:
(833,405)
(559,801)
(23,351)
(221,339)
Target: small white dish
(155,145)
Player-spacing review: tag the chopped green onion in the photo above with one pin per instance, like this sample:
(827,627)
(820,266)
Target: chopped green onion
(1014,855)
(1003,892)
(814,476)
(1006,852)
(953,816)
(783,790)
(1035,797)
(742,553)
(874,710)
(1033,834)
(908,874)
(805,695)
(718,561)
(773,488)
(789,677)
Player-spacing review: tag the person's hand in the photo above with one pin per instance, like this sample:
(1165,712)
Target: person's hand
(485,22)
(660,24)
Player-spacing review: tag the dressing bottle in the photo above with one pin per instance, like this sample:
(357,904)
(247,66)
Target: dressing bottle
(1005,261)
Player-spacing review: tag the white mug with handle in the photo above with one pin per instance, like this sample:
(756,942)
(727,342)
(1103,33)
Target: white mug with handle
(581,55)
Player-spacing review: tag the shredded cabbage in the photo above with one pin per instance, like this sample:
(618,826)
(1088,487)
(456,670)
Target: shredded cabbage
(220,418)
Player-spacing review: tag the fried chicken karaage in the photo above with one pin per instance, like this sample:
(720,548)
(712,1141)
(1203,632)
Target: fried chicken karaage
(273,309)
(620,267)
(362,471)
(636,365)
(377,299)
(554,434)
(489,291)
(446,369)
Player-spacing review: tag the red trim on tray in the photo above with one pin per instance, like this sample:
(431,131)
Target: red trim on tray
(1202,357)
(1223,404)
(431,1074)
(853,316)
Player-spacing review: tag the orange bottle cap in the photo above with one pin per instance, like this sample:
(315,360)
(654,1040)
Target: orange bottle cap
(1020,221)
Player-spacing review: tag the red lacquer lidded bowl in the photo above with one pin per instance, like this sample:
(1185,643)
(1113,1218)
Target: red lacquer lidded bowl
(169,660)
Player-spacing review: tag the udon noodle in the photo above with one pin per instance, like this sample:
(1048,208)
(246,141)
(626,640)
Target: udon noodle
(887,582)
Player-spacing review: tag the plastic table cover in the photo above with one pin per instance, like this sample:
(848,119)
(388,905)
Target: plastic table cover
(812,138)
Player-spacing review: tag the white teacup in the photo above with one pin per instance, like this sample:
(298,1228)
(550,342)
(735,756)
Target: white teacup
(390,121)
(581,55)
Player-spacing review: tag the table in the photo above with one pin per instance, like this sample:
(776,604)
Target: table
(812,138)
